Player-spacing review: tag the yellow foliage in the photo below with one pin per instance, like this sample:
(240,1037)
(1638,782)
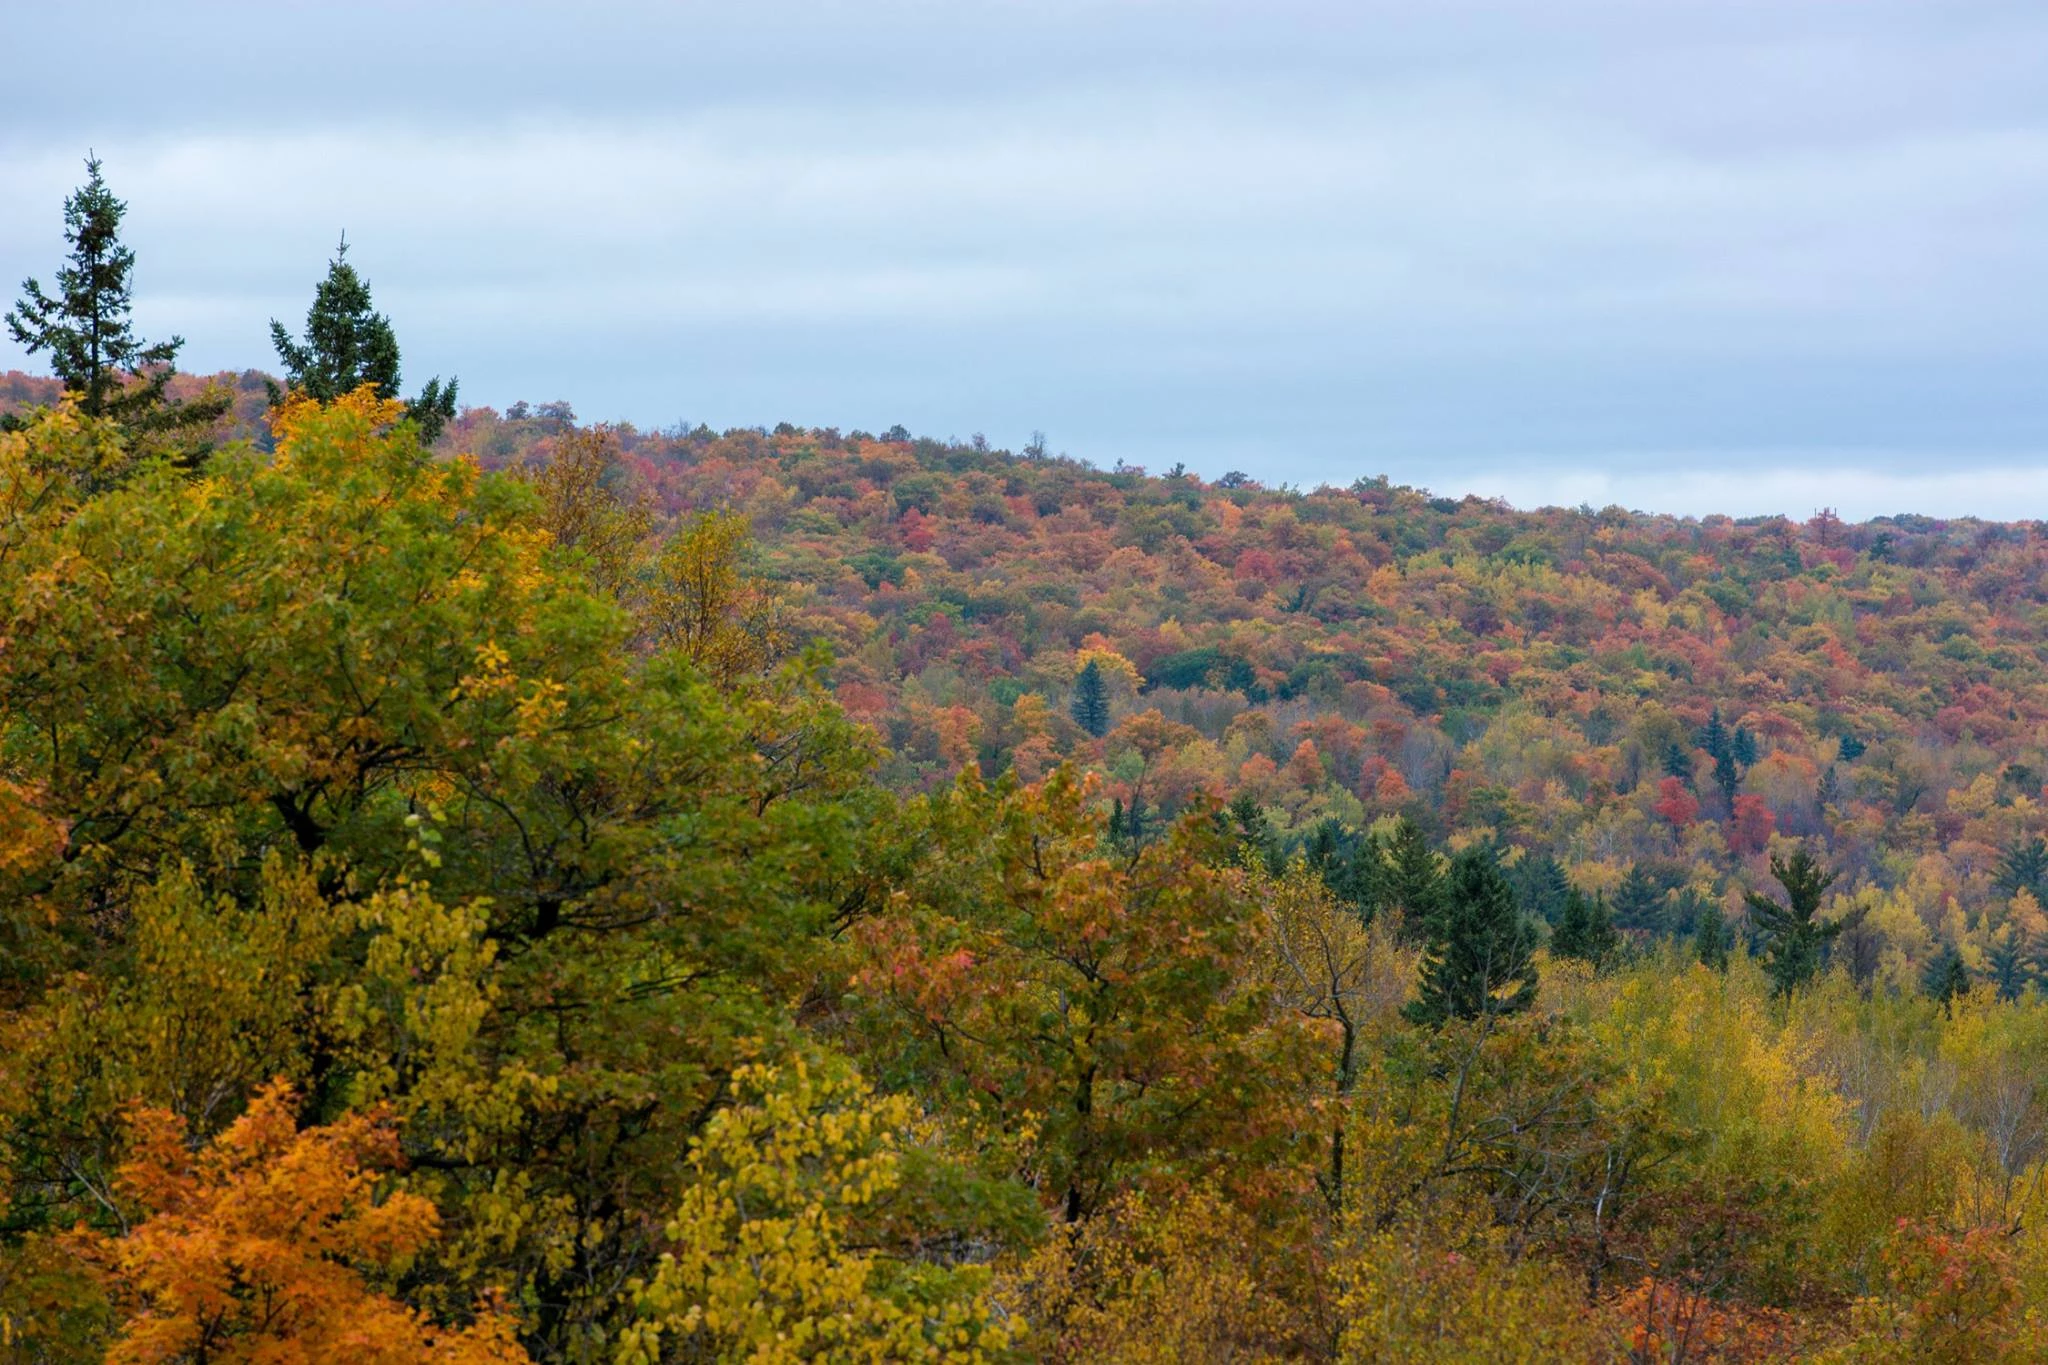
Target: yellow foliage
(764,1265)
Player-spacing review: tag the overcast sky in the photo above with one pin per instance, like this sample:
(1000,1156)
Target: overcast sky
(1686,255)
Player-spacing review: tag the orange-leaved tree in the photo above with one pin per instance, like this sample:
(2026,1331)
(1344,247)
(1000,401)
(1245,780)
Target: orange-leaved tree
(272,1244)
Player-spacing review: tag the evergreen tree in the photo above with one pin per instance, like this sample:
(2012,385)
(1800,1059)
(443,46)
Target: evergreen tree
(1540,883)
(1945,977)
(349,344)
(1793,939)
(1090,706)
(1714,736)
(1678,762)
(1480,959)
(1639,902)
(1413,879)
(2024,866)
(2007,961)
(1743,746)
(1245,823)
(87,329)
(1726,777)
(1585,930)
(1712,940)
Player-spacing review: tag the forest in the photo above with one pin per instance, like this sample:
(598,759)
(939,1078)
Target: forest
(480,886)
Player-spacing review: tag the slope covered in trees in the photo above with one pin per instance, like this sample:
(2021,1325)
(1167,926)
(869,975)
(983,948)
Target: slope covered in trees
(567,894)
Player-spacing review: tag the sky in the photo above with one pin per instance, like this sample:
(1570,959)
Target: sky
(1742,256)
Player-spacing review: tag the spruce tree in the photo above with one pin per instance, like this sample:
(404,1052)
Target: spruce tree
(1480,960)
(1678,762)
(1945,977)
(1412,880)
(1639,902)
(86,326)
(349,344)
(1793,939)
(1726,776)
(2007,961)
(2024,867)
(1585,930)
(1714,735)
(1090,706)
(1712,940)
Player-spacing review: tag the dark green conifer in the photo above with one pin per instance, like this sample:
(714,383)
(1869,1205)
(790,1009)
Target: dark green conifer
(1090,706)
(87,330)
(1480,960)
(349,344)
(1585,930)
(2007,961)
(1639,902)
(1945,977)
(1793,937)
(1711,941)
(1413,879)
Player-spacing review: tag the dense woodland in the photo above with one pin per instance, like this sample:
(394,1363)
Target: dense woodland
(567,893)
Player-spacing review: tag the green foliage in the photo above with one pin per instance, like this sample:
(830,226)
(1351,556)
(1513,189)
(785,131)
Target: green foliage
(1479,962)
(349,344)
(1090,704)
(87,329)
(1793,936)
(1585,930)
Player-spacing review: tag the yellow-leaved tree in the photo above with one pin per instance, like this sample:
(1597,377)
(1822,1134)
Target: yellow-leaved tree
(768,1261)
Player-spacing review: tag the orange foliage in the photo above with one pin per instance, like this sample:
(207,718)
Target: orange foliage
(271,1244)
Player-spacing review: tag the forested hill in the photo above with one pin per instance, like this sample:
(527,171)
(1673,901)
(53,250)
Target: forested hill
(1642,703)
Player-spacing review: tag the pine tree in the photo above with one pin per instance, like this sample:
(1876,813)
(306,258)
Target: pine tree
(1714,736)
(87,329)
(1639,902)
(1413,879)
(349,344)
(1945,977)
(1090,706)
(2024,866)
(1678,762)
(1480,960)
(2007,961)
(1743,746)
(1712,940)
(1585,930)
(1726,776)
(1540,882)
(1793,938)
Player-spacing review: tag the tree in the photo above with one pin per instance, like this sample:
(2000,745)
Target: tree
(1639,902)
(348,345)
(1793,938)
(1585,930)
(1945,977)
(774,1253)
(271,1244)
(86,327)
(2007,960)
(1086,1003)
(1712,939)
(1414,880)
(2024,867)
(1480,960)
(1090,706)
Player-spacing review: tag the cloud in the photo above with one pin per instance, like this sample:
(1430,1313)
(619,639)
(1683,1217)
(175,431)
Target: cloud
(1316,242)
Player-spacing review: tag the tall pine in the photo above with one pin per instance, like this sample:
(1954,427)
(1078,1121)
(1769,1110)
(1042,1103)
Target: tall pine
(86,326)
(1794,939)
(349,344)
(1090,706)
(1480,961)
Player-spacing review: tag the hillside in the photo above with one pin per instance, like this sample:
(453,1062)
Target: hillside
(1549,678)
(575,894)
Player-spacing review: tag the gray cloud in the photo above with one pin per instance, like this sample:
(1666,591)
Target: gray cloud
(1498,247)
